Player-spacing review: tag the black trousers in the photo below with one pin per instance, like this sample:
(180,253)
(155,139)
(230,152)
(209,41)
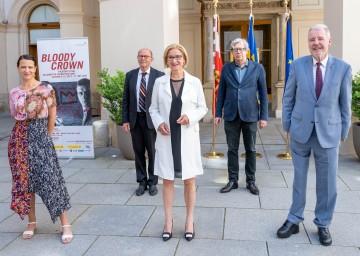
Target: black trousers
(233,130)
(143,139)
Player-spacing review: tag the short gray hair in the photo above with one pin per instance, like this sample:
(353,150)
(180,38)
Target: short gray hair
(239,41)
(319,27)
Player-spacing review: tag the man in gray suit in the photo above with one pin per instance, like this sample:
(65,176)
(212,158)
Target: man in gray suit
(316,112)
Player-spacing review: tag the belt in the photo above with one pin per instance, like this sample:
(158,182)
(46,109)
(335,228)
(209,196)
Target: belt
(141,113)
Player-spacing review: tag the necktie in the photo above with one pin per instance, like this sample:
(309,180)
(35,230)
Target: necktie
(142,93)
(318,80)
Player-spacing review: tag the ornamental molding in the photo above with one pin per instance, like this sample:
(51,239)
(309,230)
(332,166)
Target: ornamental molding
(258,6)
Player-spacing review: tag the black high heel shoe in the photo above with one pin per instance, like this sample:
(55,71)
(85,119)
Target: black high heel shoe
(190,235)
(168,235)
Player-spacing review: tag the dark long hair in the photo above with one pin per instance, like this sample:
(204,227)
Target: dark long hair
(26,57)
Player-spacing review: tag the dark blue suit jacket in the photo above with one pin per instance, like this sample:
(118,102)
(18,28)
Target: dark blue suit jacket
(129,103)
(234,96)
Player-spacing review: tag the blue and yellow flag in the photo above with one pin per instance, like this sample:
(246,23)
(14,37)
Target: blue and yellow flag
(289,57)
(252,42)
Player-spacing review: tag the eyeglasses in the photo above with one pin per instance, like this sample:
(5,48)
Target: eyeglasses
(176,57)
(239,49)
(143,56)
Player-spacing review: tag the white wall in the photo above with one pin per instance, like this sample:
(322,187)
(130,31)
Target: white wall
(139,23)
(343,19)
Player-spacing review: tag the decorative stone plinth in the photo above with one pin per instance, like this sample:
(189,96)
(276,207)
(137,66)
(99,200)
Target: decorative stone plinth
(101,133)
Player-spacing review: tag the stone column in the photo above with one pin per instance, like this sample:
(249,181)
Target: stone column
(81,19)
(209,63)
(280,84)
(342,19)
(137,24)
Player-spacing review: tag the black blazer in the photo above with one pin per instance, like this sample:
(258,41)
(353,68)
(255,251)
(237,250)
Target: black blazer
(129,103)
(236,97)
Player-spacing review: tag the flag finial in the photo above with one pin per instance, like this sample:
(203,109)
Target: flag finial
(215,4)
(251,4)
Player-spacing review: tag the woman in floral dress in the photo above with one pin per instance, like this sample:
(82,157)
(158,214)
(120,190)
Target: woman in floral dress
(32,157)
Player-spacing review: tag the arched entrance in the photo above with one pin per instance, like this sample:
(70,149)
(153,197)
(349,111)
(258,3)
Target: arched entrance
(43,22)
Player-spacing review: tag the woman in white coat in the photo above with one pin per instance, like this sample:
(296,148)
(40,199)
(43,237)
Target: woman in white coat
(177,105)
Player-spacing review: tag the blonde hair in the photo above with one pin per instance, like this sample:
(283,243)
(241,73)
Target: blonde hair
(181,49)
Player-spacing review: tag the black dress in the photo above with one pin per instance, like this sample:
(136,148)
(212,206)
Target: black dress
(175,128)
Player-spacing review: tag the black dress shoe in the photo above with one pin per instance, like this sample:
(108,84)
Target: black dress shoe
(140,190)
(190,235)
(168,235)
(287,229)
(253,188)
(324,236)
(153,190)
(231,185)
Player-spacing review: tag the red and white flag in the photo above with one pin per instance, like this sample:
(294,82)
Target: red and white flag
(217,60)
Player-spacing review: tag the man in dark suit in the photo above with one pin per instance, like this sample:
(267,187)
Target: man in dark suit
(136,119)
(84,97)
(316,112)
(240,83)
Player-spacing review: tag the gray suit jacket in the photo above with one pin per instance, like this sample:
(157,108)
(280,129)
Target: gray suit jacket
(330,114)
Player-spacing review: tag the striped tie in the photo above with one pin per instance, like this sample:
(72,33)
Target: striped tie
(142,93)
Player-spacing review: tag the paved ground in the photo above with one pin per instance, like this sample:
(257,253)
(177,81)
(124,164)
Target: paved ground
(108,219)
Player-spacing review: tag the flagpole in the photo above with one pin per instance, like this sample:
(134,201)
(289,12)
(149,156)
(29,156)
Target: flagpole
(258,155)
(213,153)
(287,154)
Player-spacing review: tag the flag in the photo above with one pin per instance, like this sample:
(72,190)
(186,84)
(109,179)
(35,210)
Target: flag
(217,60)
(289,50)
(252,42)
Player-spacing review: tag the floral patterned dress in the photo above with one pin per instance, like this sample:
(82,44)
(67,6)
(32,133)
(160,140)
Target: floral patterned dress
(32,157)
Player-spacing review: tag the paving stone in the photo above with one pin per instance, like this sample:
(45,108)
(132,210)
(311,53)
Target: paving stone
(43,220)
(110,220)
(5,191)
(281,198)
(146,199)
(103,194)
(343,229)
(89,163)
(237,198)
(68,172)
(348,201)
(4,162)
(285,249)
(6,238)
(129,246)
(5,211)
(350,177)
(203,217)
(257,225)
(96,176)
(5,174)
(202,247)
(48,244)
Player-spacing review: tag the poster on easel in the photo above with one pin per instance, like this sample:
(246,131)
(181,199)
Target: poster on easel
(64,64)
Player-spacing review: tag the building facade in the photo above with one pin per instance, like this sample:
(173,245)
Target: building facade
(117,29)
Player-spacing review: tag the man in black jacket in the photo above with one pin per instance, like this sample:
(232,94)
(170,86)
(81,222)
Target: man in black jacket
(136,119)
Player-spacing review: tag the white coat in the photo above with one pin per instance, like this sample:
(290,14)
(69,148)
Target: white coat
(194,106)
